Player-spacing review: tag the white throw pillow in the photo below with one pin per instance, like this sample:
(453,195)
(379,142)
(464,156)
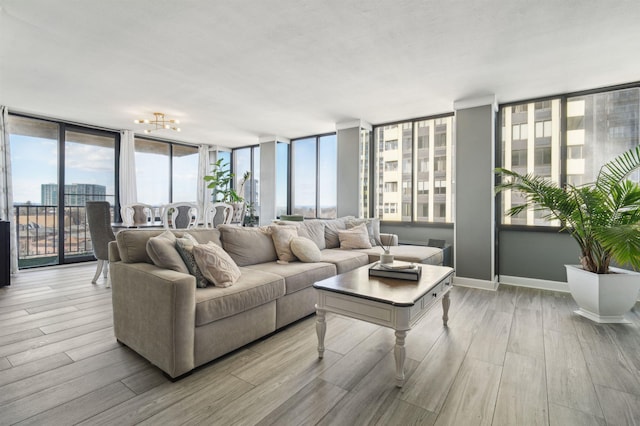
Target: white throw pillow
(216,265)
(355,238)
(305,249)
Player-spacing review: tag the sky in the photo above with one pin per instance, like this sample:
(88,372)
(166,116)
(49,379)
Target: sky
(34,161)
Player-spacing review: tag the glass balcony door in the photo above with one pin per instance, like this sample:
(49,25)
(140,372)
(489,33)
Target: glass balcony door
(89,174)
(56,167)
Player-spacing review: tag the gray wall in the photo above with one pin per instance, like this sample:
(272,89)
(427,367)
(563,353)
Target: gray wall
(540,255)
(349,186)
(474,211)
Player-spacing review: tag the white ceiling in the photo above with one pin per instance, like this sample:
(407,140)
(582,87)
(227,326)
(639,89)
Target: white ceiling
(235,70)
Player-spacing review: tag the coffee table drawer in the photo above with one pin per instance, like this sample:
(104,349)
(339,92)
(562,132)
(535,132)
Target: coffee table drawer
(426,301)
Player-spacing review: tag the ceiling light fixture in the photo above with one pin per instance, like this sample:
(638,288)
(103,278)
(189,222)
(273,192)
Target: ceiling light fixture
(159,122)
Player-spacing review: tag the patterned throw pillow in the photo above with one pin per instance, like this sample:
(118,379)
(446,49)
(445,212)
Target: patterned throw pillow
(282,236)
(216,265)
(355,238)
(305,249)
(185,246)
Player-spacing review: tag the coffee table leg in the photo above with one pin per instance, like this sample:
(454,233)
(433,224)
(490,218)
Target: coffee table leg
(400,354)
(445,308)
(321,328)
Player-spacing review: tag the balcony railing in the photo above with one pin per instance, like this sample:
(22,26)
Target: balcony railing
(37,229)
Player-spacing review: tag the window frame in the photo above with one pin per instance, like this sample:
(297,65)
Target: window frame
(292,147)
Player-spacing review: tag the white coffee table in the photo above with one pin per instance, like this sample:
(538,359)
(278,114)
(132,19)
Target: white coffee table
(393,303)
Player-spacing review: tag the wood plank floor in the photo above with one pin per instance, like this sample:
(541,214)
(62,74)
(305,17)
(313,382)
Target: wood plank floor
(517,356)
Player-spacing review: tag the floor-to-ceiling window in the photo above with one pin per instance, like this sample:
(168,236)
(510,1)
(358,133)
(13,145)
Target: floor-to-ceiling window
(314,176)
(598,126)
(165,172)
(413,170)
(56,168)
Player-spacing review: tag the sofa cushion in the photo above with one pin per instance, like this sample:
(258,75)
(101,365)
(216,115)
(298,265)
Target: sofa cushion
(162,251)
(312,229)
(345,260)
(216,265)
(185,246)
(408,253)
(132,243)
(248,246)
(282,236)
(253,288)
(305,249)
(355,238)
(202,235)
(298,275)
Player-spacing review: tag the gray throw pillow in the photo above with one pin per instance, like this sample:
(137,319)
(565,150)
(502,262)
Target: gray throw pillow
(163,253)
(185,246)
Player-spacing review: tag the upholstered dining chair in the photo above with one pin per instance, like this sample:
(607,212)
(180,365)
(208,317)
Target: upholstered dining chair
(137,213)
(180,216)
(217,214)
(99,221)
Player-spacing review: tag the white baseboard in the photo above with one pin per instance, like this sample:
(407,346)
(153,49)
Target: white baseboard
(534,283)
(476,283)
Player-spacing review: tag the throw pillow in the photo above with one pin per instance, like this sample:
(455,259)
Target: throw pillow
(282,236)
(185,246)
(332,227)
(163,253)
(373,228)
(355,238)
(305,249)
(216,265)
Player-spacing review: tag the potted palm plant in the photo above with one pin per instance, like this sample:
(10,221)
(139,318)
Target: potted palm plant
(604,219)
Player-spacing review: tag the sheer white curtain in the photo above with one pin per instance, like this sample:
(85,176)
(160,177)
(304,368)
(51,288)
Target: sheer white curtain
(6,186)
(204,194)
(128,187)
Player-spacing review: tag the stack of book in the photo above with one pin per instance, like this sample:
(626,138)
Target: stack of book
(397,269)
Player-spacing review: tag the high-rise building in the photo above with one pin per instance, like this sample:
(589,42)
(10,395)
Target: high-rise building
(414,171)
(598,127)
(76,194)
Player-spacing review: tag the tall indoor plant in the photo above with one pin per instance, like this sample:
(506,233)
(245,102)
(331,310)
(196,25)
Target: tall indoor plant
(604,219)
(220,181)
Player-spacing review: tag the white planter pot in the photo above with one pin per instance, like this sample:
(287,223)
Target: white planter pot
(603,298)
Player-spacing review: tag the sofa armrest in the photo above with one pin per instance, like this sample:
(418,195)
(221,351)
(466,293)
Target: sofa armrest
(389,239)
(114,252)
(154,314)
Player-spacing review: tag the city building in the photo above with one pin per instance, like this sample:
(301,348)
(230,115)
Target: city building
(76,194)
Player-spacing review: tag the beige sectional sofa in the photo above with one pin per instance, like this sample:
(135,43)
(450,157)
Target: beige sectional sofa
(162,315)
